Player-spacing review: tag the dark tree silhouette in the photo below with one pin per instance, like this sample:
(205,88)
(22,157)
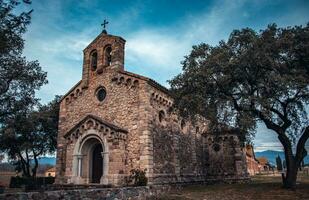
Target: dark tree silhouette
(29,135)
(19,78)
(24,133)
(279,163)
(253,77)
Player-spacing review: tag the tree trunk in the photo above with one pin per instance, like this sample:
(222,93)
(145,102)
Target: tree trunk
(36,164)
(293,162)
(24,165)
(289,180)
(27,164)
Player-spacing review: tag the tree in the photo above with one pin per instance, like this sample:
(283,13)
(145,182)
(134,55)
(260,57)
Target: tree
(19,78)
(31,134)
(279,163)
(253,77)
(1,158)
(284,164)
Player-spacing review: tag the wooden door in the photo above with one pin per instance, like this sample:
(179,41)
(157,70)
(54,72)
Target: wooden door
(97,164)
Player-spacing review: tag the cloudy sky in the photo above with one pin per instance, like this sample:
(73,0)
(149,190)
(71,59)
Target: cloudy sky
(158,33)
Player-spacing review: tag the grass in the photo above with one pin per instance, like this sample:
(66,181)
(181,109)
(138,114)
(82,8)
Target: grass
(260,187)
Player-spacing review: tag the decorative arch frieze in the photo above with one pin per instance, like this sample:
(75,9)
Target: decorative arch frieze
(158,99)
(129,82)
(74,94)
(105,129)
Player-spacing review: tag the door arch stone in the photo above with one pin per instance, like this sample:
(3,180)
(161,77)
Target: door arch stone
(82,166)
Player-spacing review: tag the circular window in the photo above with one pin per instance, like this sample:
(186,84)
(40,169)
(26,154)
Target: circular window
(101,94)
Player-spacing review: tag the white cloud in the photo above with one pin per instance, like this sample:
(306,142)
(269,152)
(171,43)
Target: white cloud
(266,139)
(155,49)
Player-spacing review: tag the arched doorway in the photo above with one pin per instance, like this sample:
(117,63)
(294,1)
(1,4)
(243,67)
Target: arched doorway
(97,163)
(90,159)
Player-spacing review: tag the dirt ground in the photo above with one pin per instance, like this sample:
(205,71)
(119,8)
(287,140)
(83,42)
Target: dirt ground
(260,187)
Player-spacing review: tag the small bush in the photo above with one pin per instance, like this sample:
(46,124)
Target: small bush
(138,177)
(31,183)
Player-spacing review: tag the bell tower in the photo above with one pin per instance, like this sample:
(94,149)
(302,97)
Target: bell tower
(105,52)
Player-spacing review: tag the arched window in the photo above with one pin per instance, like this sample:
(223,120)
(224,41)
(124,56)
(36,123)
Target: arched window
(161,116)
(182,124)
(197,129)
(108,56)
(94,60)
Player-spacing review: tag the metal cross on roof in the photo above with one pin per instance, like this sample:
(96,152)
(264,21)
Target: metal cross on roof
(105,22)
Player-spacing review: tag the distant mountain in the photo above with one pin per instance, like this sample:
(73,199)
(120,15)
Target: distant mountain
(271,156)
(43,163)
(47,160)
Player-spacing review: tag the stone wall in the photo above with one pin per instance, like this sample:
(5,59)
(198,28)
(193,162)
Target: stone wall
(133,193)
(224,157)
(177,148)
(185,152)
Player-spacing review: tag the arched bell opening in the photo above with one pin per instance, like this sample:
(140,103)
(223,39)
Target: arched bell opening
(107,56)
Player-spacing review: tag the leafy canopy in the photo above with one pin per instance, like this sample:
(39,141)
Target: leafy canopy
(31,134)
(19,78)
(251,77)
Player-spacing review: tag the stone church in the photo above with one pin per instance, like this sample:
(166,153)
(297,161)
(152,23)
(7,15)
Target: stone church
(113,121)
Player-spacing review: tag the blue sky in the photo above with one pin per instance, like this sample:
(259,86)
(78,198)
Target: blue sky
(158,34)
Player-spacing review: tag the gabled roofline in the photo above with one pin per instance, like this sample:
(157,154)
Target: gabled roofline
(149,81)
(72,89)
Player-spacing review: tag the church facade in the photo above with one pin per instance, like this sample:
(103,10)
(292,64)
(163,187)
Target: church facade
(113,121)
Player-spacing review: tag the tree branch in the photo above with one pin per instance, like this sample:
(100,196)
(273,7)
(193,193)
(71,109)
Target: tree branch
(301,152)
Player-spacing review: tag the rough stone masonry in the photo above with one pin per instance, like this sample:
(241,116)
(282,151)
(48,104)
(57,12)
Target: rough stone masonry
(113,121)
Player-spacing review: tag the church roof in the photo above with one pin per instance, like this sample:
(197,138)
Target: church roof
(149,81)
(98,119)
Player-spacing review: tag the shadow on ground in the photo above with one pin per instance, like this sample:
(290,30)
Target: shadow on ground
(261,187)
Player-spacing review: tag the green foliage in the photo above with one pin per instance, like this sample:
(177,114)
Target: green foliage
(138,177)
(30,134)
(19,78)
(27,129)
(253,77)
(31,183)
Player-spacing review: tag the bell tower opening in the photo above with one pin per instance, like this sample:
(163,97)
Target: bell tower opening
(94,60)
(108,56)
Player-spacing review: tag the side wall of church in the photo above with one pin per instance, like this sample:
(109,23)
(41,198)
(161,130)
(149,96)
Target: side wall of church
(178,149)
(186,152)
(225,159)
(123,106)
